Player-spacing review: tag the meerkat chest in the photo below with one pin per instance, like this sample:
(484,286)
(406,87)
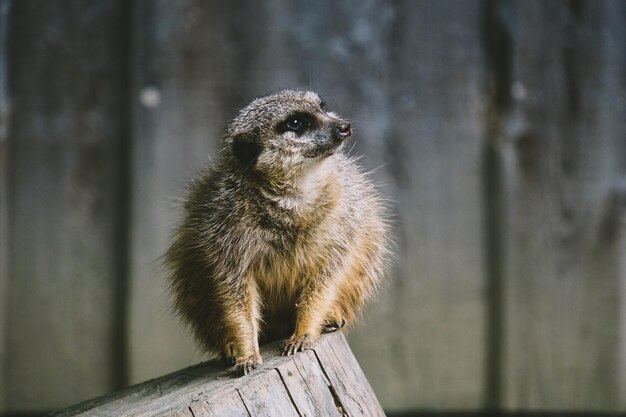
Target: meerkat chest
(296,231)
(286,265)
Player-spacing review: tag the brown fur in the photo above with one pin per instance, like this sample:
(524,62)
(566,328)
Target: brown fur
(285,231)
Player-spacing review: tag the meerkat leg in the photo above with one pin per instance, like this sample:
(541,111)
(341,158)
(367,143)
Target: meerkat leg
(228,354)
(352,294)
(311,312)
(334,319)
(242,320)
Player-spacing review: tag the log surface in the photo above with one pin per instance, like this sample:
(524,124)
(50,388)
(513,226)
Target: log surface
(324,381)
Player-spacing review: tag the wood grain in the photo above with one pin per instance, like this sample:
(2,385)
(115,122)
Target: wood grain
(65,133)
(289,386)
(563,146)
(307,385)
(229,404)
(348,384)
(267,396)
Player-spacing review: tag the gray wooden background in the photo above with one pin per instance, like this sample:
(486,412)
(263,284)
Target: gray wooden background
(496,128)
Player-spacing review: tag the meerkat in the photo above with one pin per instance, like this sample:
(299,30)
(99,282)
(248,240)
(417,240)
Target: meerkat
(284,230)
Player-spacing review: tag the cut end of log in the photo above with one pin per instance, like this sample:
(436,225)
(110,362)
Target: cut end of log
(323,381)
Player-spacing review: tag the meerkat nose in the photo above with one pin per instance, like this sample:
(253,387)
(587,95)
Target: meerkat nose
(344,130)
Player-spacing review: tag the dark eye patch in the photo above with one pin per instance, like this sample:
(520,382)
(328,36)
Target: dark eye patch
(323,105)
(298,123)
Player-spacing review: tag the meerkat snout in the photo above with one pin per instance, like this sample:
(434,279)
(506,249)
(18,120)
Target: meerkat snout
(344,131)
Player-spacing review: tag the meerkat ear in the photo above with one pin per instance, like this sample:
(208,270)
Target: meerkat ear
(246,148)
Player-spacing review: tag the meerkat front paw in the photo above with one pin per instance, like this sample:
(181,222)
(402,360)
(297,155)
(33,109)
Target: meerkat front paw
(333,325)
(228,354)
(247,365)
(299,344)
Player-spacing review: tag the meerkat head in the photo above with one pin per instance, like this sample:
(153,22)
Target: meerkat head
(285,133)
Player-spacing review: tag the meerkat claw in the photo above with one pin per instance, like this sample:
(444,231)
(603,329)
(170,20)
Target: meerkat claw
(298,344)
(245,367)
(228,354)
(333,325)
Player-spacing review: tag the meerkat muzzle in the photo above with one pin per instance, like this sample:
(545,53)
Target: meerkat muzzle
(344,131)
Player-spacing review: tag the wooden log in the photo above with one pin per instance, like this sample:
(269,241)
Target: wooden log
(324,381)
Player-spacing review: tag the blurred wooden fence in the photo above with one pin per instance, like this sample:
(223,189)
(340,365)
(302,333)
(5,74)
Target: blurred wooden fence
(497,128)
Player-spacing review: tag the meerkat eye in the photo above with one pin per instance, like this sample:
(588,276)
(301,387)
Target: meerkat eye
(295,124)
(298,123)
(323,105)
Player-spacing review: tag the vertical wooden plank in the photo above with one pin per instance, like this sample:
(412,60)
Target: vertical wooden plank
(4,195)
(65,131)
(179,69)
(422,345)
(619,207)
(563,148)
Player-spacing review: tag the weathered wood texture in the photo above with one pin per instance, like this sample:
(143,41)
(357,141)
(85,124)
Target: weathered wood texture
(495,128)
(175,126)
(562,140)
(424,125)
(65,164)
(325,381)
